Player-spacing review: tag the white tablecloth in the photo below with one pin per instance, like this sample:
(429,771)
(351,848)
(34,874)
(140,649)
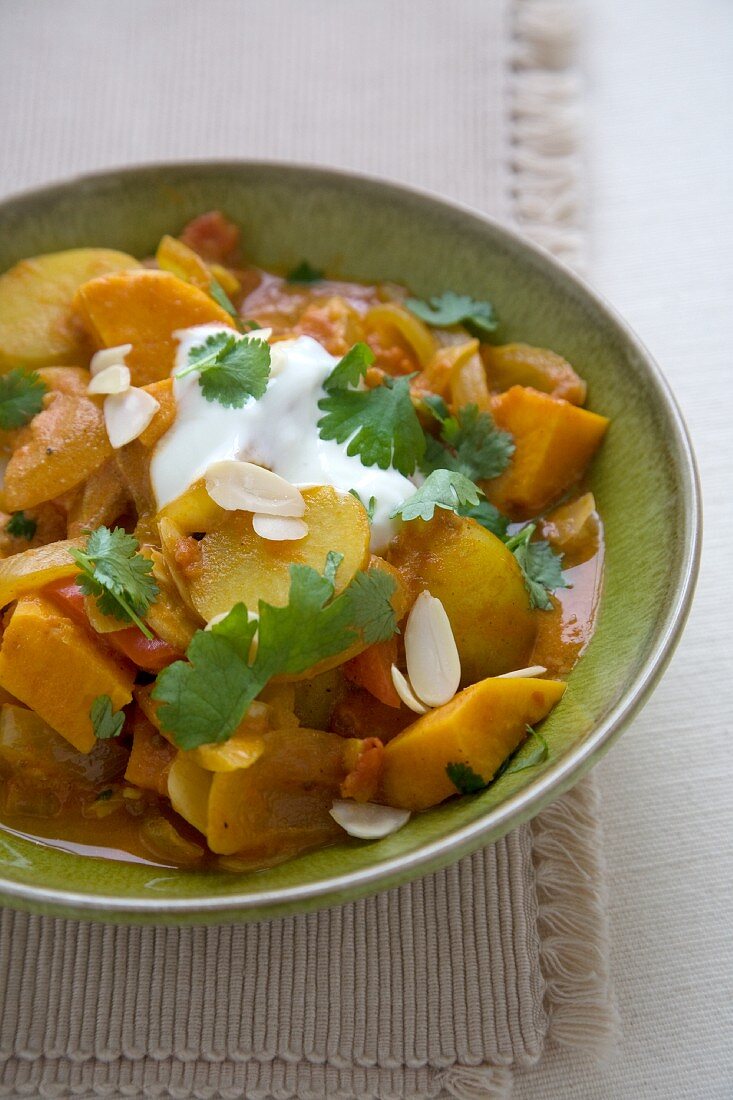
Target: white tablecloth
(660,124)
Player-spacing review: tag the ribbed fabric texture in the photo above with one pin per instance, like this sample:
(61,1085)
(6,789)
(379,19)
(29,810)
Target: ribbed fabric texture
(385,994)
(443,987)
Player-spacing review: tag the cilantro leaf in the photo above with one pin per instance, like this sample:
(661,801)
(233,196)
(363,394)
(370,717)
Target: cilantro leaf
(204,698)
(220,296)
(333,561)
(531,752)
(369,507)
(436,405)
(231,368)
(117,575)
(304,273)
(471,443)
(448,309)
(381,424)
(106,722)
(488,516)
(441,489)
(21,526)
(465,779)
(350,369)
(541,567)
(21,397)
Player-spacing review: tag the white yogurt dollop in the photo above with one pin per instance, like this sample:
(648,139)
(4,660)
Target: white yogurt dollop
(278,431)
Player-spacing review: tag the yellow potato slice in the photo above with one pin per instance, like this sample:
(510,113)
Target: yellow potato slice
(237,565)
(480,586)
(38,326)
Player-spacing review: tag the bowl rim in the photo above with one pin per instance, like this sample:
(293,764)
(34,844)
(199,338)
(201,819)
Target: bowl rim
(568,769)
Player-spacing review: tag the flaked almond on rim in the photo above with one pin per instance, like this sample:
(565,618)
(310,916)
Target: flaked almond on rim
(433,664)
(246,487)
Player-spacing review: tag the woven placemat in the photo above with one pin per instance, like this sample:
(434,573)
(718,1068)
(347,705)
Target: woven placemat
(449,985)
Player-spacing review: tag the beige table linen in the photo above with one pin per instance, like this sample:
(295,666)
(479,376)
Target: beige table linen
(447,986)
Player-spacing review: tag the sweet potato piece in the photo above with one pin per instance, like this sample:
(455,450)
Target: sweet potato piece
(479,727)
(150,759)
(165,415)
(278,806)
(61,446)
(38,325)
(372,669)
(100,500)
(36,568)
(52,665)
(554,443)
(145,308)
(480,585)
(510,365)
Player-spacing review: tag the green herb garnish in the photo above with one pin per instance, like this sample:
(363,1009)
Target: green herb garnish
(488,516)
(369,508)
(304,273)
(541,566)
(220,296)
(107,723)
(116,575)
(380,424)
(231,368)
(21,398)
(448,309)
(21,526)
(471,443)
(204,698)
(446,489)
(531,752)
(465,779)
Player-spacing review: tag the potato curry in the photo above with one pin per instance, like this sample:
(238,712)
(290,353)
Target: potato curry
(284,558)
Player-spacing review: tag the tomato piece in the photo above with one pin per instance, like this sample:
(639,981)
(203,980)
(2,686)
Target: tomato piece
(151,654)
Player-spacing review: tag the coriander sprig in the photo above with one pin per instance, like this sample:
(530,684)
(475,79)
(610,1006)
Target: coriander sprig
(380,424)
(117,575)
(541,566)
(204,698)
(106,722)
(21,398)
(469,442)
(231,368)
(444,310)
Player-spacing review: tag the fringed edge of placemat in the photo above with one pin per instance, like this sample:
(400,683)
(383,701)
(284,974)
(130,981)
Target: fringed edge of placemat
(545,187)
(545,128)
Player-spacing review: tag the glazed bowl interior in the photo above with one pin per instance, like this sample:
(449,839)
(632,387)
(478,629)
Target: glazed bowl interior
(644,481)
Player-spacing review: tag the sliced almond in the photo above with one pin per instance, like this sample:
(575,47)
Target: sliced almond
(405,692)
(279,356)
(128,414)
(279,528)
(109,357)
(244,486)
(114,379)
(522,673)
(433,664)
(368,820)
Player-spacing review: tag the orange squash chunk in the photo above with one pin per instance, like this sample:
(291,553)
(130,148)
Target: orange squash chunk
(554,443)
(145,308)
(52,665)
(61,446)
(479,727)
(165,415)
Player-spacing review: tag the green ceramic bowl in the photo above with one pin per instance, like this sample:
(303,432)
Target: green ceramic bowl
(644,479)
